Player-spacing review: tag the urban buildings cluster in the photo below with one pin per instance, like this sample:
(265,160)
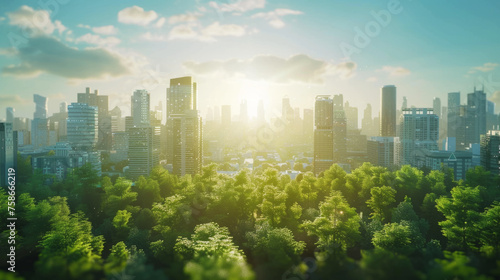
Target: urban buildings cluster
(459,136)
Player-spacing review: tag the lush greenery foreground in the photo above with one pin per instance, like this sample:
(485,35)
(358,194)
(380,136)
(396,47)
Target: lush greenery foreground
(371,224)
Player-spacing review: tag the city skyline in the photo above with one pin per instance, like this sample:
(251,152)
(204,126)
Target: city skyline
(291,49)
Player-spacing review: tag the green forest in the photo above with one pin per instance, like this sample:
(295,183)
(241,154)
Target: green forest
(370,224)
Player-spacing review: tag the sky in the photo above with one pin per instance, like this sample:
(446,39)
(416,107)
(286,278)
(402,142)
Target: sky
(248,50)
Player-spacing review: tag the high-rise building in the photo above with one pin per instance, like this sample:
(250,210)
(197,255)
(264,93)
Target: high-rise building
(40,123)
(184,127)
(453,114)
(351,114)
(82,126)
(187,144)
(490,151)
(339,136)
(104,134)
(419,133)
(8,152)
(367,126)
(323,133)
(9,114)
(388,111)
(476,116)
(243,112)
(436,106)
(308,124)
(40,107)
(143,136)
(143,150)
(286,110)
(381,151)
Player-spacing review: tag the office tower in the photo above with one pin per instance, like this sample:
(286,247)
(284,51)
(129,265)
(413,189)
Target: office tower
(388,111)
(381,151)
(184,127)
(22,127)
(140,108)
(490,151)
(8,152)
(187,143)
(308,124)
(226,116)
(40,123)
(367,126)
(323,133)
(117,122)
(459,161)
(476,116)
(491,117)
(338,102)
(40,107)
(453,114)
(351,114)
(143,136)
(419,132)
(436,106)
(404,105)
(286,110)
(143,150)
(339,136)
(261,114)
(104,137)
(243,112)
(63,107)
(82,126)
(9,114)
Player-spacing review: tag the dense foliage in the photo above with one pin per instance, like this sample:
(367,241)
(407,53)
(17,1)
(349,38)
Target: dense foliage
(370,224)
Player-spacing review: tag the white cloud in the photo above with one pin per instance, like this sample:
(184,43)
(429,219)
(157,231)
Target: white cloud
(98,40)
(148,36)
(189,17)
(298,68)
(394,70)
(35,22)
(136,15)
(84,26)
(487,67)
(38,57)
(183,31)
(274,18)
(216,29)
(239,6)
(372,79)
(207,34)
(105,30)
(160,22)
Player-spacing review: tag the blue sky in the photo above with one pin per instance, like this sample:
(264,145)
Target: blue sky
(248,49)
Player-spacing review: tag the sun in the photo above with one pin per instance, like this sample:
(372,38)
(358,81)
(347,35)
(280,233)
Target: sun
(253,92)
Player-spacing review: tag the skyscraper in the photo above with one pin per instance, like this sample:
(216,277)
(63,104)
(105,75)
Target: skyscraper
(388,111)
(40,106)
(323,133)
(436,105)
(453,114)
(243,112)
(104,134)
(9,114)
(351,116)
(82,126)
(8,152)
(184,127)
(140,108)
(143,136)
(476,116)
(40,123)
(419,133)
(490,151)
